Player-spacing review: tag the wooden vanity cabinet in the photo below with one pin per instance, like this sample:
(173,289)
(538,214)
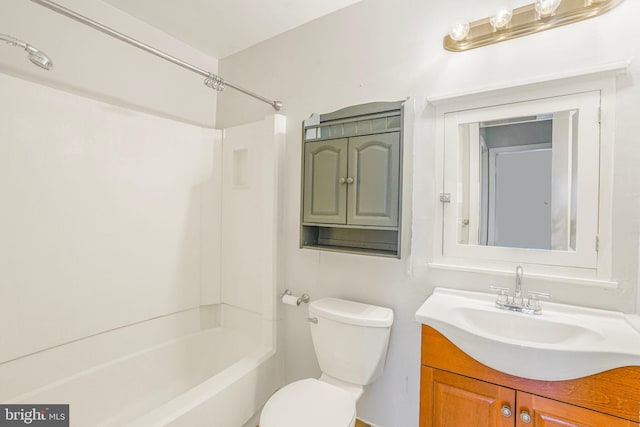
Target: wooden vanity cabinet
(458,391)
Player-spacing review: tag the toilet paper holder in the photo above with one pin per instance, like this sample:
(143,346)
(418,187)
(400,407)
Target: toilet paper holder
(301,299)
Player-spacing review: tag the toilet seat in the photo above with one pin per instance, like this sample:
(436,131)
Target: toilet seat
(309,403)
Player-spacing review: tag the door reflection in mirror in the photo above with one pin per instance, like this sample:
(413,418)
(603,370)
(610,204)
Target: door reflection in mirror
(518,179)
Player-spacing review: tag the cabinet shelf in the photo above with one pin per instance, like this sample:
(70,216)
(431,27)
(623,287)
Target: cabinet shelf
(346,239)
(361,251)
(354,227)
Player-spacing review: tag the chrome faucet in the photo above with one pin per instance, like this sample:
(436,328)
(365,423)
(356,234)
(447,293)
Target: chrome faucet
(519,274)
(515,302)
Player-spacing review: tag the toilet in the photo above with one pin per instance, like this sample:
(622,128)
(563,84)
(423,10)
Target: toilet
(350,340)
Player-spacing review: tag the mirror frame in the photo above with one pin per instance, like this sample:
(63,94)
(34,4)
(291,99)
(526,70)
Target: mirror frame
(592,267)
(585,254)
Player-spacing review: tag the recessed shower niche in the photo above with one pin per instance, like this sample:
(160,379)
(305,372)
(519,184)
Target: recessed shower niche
(351,180)
(240,168)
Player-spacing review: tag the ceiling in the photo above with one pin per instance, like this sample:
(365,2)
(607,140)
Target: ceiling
(222,27)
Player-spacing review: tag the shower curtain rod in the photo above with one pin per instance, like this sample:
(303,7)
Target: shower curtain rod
(212,80)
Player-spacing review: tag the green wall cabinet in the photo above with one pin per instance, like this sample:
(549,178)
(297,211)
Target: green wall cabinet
(351,186)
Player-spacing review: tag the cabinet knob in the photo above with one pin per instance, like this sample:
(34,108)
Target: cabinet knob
(505,411)
(525,417)
(342,180)
(349,180)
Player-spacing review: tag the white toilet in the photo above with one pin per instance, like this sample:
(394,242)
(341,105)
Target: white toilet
(351,341)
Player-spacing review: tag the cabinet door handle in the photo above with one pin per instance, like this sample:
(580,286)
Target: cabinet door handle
(349,180)
(342,180)
(525,417)
(505,411)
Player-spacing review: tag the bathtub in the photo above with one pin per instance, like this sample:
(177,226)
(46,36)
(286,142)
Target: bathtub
(216,378)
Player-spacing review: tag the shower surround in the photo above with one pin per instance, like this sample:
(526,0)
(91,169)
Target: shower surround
(116,226)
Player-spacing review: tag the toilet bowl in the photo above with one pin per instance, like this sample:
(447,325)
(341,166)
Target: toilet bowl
(350,340)
(309,403)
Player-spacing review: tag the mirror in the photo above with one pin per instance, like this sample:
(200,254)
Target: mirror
(522,179)
(519,181)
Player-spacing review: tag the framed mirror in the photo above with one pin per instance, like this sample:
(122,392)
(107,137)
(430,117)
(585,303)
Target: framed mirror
(523,181)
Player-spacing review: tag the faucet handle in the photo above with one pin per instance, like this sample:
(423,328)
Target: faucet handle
(503,297)
(534,301)
(536,295)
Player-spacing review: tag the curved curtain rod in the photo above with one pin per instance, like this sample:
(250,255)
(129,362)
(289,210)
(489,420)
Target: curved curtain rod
(212,80)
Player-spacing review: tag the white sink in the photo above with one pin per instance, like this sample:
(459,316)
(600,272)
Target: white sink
(564,342)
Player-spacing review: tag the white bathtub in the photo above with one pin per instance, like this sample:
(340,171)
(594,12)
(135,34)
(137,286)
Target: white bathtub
(214,378)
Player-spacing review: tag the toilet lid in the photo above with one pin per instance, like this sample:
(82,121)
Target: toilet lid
(309,403)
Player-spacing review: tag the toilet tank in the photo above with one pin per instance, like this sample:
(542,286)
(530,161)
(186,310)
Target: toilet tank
(350,338)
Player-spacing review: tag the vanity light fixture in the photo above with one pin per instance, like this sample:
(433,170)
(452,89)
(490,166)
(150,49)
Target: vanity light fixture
(529,19)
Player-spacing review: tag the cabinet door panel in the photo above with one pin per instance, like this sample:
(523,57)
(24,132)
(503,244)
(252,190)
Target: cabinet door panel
(374,166)
(325,195)
(550,413)
(450,400)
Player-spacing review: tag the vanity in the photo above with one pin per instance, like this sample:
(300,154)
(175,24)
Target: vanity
(520,172)
(569,366)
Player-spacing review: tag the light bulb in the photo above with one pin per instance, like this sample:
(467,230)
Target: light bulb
(459,31)
(547,7)
(501,19)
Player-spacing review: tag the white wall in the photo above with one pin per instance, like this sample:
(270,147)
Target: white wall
(381,50)
(94,64)
(106,217)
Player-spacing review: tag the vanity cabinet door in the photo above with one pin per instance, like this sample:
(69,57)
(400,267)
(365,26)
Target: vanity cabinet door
(374,171)
(541,412)
(450,400)
(325,182)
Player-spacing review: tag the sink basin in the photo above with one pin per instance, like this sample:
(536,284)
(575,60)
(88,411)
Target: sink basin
(564,342)
(522,328)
